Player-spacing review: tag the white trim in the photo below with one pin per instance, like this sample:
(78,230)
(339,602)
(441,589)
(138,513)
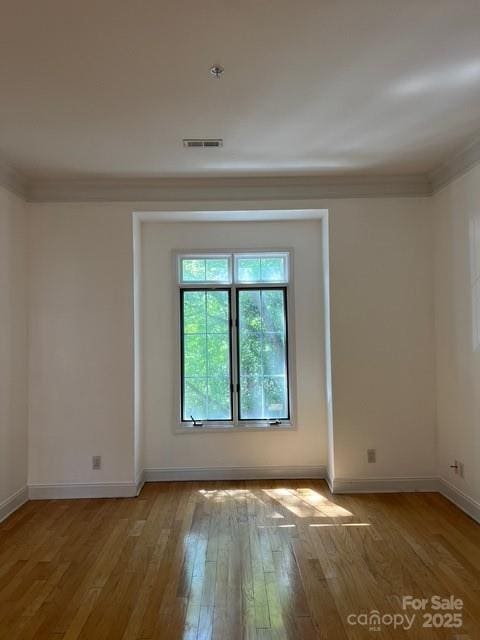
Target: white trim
(254,426)
(140,482)
(342,485)
(329,481)
(384,485)
(235,424)
(470,506)
(235,473)
(235,189)
(138,444)
(456,166)
(254,188)
(327,355)
(14,502)
(228,214)
(99,490)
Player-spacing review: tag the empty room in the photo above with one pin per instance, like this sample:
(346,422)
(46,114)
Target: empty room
(239,319)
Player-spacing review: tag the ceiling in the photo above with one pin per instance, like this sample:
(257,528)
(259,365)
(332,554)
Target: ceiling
(108,88)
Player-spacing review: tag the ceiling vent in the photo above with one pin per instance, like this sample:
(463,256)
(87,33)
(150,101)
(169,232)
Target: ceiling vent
(202,143)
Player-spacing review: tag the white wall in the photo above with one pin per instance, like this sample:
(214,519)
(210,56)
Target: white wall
(81,344)
(381,274)
(457,301)
(305,446)
(81,333)
(13,346)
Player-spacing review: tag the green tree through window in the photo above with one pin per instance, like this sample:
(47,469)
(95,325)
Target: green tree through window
(251,288)
(262,354)
(206,355)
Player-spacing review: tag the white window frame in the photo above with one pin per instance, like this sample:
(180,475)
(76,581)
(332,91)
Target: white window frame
(235,424)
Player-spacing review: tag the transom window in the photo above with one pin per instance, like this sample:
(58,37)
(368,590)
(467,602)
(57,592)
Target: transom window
(234,337)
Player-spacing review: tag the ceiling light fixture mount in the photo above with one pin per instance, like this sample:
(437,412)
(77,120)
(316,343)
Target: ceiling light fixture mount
(216,71)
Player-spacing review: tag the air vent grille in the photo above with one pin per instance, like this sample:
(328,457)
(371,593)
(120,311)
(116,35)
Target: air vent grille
(202,143)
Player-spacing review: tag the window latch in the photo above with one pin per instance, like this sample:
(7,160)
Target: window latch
(196,423)
(275,422)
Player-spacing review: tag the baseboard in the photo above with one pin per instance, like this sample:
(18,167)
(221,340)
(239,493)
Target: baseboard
(470,506)
(140,482)
(329,481)
(14,502)
(383,485)
(339,485)
(234,473)
(67,491)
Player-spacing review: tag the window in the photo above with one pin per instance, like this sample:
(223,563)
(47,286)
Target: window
(262,354)
(206,354)
(261,268)
(215,269)
(234,336)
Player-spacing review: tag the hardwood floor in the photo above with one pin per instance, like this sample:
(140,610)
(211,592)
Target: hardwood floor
(256,560)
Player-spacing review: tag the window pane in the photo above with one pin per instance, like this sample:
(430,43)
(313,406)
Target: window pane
(206,355)
(195,361)
(195,403)
(274,354)
(248,270)
(218,398)
(251,397)
(273,269)
(217,311)
(250,310)
(204,269)
(262,268)
(273,311)
(217,270)
(194,312)
(263,354)
(275,396)
(218,355)
(193,270)
(251,354)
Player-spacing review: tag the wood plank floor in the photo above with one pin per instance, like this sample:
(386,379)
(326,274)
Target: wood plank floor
(256,560)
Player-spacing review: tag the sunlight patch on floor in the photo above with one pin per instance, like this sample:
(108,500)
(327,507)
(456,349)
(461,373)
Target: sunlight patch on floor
(307,503)
(302,503)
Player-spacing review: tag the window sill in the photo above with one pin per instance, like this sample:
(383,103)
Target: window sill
(222,428)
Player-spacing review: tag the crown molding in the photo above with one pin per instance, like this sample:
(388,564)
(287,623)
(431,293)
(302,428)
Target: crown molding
(13,180)
(259,188)
(456,166)
(211,189)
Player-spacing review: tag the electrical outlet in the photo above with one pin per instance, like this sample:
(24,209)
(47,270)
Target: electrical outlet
(460,469)
(371,455)
(96,463)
